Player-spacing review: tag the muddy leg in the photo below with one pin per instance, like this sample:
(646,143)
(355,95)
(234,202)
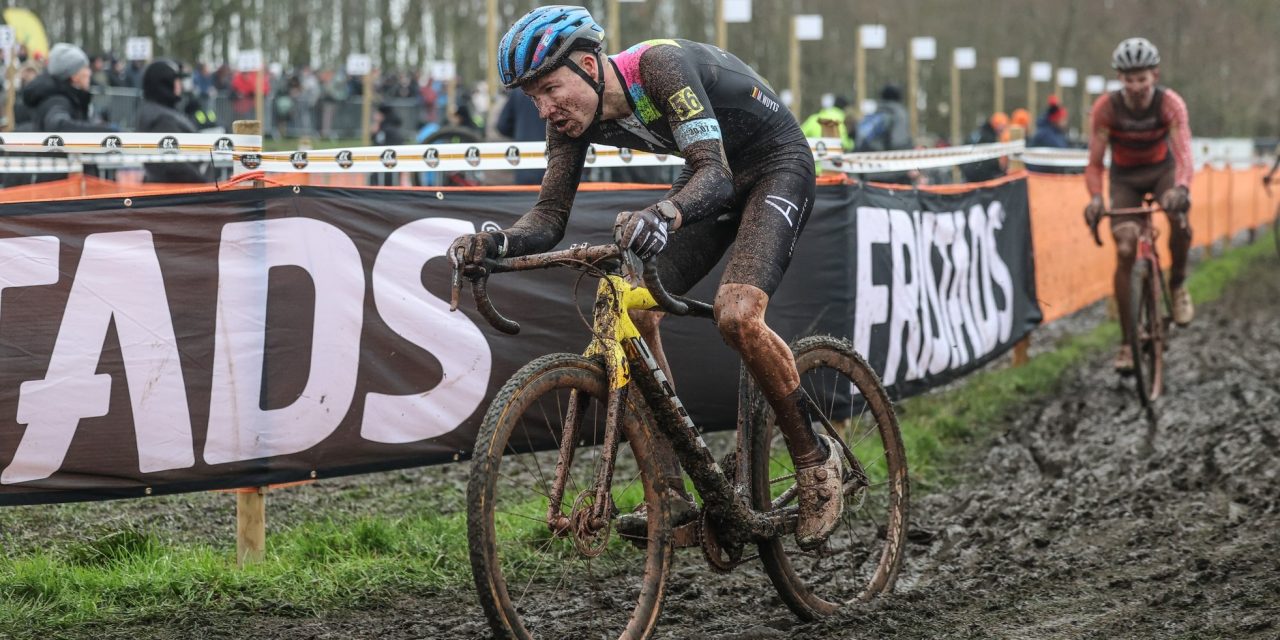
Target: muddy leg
(740,316)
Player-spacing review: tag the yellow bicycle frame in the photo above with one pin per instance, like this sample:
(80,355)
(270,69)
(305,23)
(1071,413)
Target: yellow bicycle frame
(612,324)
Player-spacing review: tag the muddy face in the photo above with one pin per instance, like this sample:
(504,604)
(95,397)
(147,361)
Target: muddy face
(1139,87)
(564,99)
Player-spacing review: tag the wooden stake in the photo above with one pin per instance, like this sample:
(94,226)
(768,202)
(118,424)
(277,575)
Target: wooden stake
(11,92)
(1020,356)
(251,526)
(794,59)
(860,75)
(251,504)
(722,28)
(956,133)
(913,70)
(248,128)
(998,99)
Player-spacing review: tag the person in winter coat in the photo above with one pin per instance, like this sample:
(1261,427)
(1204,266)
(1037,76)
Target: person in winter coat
(57,101)
(161,93)
(1051,127)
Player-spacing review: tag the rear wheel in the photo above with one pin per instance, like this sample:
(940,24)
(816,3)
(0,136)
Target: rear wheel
(863,554)
(1146,335)
(545,570)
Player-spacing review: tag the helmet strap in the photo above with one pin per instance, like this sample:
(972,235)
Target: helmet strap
(596,83)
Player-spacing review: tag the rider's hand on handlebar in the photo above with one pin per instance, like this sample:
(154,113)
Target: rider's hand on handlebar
(1176,200)
(470,252)
(644,232)
(1093,211)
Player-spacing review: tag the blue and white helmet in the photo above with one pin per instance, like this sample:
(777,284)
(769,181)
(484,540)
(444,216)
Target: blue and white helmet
(542,40)
(1134,54)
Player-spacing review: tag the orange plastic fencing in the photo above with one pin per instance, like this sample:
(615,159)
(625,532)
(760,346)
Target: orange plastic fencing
(1071,272)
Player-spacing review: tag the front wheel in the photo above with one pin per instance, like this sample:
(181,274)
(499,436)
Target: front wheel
(543,570)
(1146,335)
(863,554)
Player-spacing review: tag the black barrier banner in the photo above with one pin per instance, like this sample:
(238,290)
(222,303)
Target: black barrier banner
(185,342)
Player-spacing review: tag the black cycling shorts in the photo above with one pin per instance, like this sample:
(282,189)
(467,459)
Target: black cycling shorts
(773,202)
(1130,184)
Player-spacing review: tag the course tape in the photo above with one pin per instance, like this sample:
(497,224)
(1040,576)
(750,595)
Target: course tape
(911,159)
(246,153)
(480,156)
(1052,157)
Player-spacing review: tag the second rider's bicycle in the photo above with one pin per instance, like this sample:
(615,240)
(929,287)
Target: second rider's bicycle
(571,442)
(1150,306)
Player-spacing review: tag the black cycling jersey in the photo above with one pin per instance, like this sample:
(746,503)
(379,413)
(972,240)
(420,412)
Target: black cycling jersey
(704,104)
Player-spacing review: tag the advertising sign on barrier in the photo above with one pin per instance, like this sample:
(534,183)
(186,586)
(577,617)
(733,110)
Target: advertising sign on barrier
(245,337)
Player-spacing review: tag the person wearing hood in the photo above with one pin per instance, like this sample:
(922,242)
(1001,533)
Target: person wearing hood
(161,93)
(1051,131)
(385,132)
(57,101)
(1051,126)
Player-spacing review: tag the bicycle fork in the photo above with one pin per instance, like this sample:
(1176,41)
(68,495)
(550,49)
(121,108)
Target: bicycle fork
(602,509)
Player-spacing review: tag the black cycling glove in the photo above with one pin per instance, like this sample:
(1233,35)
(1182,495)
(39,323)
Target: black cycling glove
(644,232)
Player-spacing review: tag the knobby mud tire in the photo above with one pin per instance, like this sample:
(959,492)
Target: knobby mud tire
(1146,335)
(866,549)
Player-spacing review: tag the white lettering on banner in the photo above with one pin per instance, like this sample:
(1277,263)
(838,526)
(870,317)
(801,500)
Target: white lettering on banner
(410,310)
(940,303)
(873,299)
(117,281)
(906,296)
(239,429)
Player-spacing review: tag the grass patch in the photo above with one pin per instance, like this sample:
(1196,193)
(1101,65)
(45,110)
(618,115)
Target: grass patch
(125,575)
(132,576)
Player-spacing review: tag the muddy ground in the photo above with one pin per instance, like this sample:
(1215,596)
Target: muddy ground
(1078,519)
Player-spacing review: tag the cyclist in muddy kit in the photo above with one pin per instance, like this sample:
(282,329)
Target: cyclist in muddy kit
(747,188)
(1146,127)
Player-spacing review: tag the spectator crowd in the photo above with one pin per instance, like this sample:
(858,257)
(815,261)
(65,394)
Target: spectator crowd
(68,90)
